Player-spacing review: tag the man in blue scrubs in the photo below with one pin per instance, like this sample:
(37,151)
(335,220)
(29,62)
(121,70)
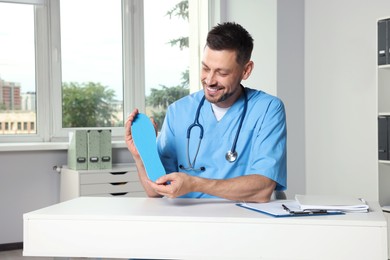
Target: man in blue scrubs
(241,120)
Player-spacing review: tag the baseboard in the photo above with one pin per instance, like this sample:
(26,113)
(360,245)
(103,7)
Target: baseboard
(11,246)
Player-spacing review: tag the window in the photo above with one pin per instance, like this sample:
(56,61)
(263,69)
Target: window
(111,47)
(17,66)
(91,63)
(95,74)
(165,83)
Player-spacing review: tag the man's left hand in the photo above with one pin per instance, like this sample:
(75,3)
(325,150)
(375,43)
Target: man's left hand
(173,185)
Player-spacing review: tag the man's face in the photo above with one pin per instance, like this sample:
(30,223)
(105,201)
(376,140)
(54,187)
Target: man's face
(221,76)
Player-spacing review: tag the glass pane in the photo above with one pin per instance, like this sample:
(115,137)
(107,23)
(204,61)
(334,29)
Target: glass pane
(166,54)
(91,54)
(17,69)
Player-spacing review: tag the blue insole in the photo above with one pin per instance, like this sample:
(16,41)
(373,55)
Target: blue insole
(144,136)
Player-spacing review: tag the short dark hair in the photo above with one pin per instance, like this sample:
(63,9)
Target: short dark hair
(231,36)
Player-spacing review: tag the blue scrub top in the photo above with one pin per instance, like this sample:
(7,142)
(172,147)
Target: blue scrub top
(261,145)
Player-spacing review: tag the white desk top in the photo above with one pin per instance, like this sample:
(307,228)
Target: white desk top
(198,210)
(197,229)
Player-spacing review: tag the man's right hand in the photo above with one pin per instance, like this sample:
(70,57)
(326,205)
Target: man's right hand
(128,137)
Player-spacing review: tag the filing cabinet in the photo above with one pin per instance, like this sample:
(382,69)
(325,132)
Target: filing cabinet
(120,180)
(383,102)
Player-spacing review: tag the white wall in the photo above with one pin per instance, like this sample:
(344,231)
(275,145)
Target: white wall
(262,25)
(278,31)
(28,182)
(291,88)
(340,96)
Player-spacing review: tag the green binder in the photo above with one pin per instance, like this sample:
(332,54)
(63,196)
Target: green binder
(105,149)
(77,151)
(93,149)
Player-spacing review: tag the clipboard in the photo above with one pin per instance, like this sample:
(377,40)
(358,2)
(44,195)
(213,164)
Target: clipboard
(285,208)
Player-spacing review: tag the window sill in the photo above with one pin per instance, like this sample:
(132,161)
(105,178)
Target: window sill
(18,147)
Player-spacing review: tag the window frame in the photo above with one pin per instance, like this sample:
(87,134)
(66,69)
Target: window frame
(41,66)
(48,63)
(133,75)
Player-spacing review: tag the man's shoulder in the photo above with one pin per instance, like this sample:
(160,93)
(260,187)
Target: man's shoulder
(259,96)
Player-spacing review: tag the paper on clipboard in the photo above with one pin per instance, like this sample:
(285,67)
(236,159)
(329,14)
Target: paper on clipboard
(276,209)
(327,202)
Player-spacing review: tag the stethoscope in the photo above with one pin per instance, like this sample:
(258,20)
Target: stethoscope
(230,156)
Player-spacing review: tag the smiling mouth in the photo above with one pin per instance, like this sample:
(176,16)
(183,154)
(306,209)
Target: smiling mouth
(213,90)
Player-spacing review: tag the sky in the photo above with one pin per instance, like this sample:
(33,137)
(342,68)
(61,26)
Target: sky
(16,45)
(95,55)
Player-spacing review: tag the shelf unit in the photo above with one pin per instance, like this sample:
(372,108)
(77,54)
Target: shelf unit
(384,110)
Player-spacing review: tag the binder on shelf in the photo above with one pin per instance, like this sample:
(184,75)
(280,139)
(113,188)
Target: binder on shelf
(77,151)
(383,42)
(383,138)
(105,149)
(388,41)
(93,149)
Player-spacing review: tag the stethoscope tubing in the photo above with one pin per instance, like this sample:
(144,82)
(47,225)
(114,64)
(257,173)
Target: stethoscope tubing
(196,121)
(233,150)
(230,155)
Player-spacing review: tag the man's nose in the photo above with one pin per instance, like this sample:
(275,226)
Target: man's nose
(211,79)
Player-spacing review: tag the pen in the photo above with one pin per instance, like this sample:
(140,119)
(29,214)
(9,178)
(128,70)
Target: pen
(307,212)
(285,208)
(294,212)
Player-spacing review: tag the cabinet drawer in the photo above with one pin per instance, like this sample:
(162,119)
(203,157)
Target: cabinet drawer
(140,194)
(103,188)
(108,177)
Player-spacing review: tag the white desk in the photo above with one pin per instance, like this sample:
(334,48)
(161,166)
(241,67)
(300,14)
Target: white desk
(197,229)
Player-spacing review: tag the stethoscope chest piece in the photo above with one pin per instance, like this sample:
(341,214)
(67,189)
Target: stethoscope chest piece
(231,156)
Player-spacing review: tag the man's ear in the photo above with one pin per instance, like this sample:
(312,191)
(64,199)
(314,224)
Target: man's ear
(248,69)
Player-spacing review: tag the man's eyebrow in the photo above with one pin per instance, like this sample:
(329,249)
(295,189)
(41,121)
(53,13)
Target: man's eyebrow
(218,69)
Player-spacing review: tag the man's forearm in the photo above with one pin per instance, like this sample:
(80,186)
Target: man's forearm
(250,188)
(144,178)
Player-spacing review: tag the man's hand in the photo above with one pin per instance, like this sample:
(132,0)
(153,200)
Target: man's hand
(250,188)
(136,156)
(128,136)
(179,184)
